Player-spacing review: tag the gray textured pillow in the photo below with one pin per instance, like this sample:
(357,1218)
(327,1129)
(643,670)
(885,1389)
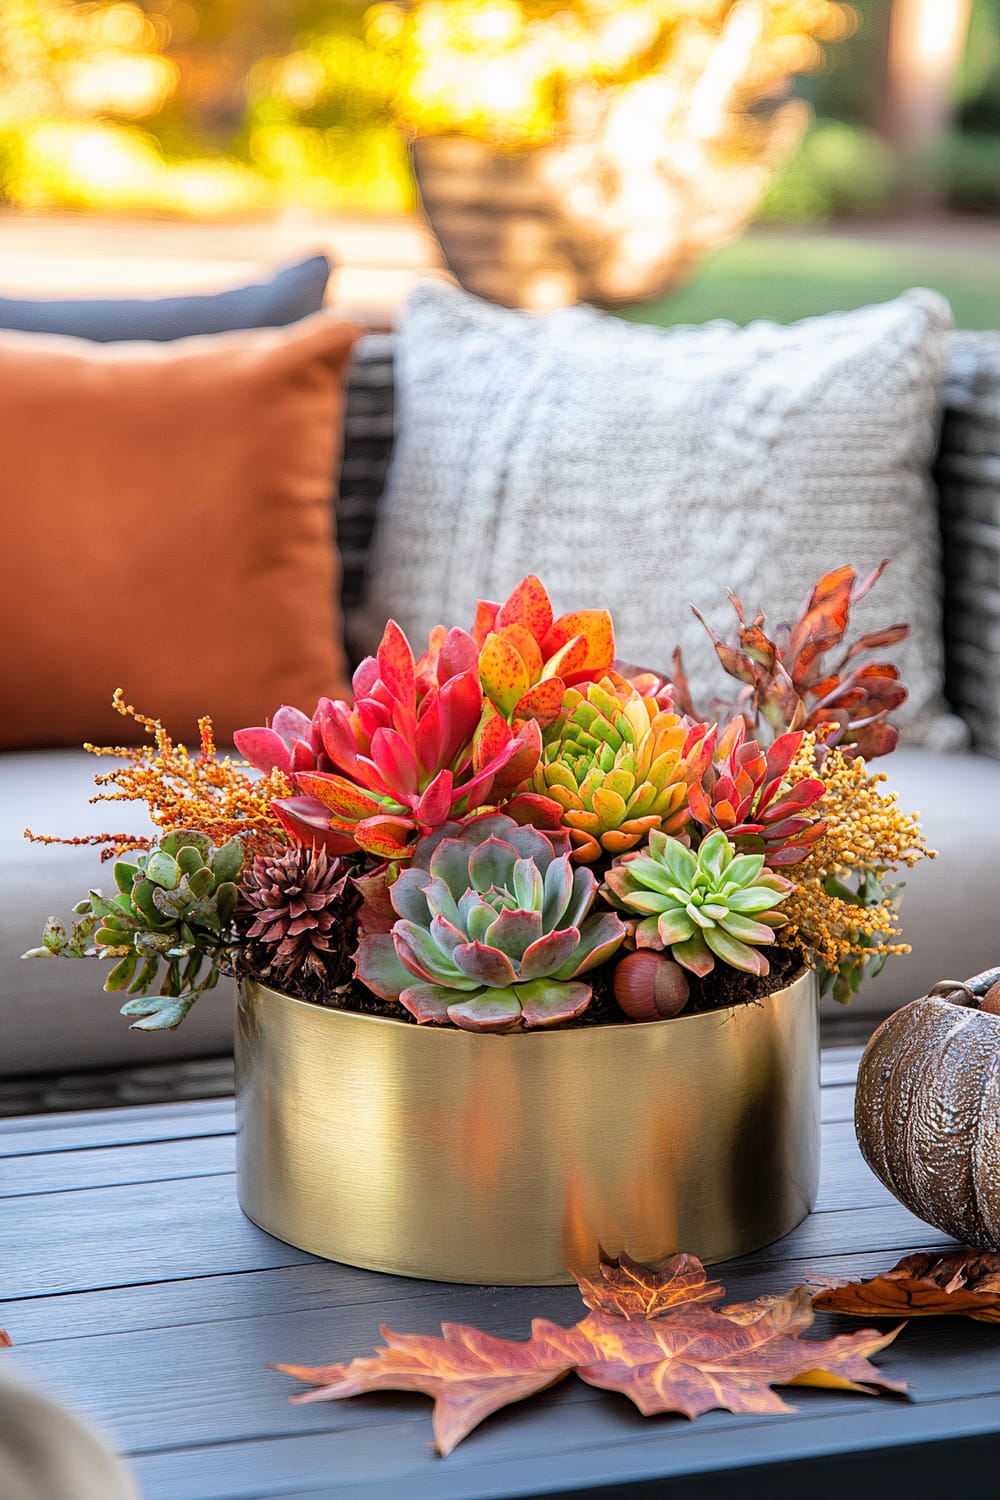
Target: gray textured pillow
(648,469)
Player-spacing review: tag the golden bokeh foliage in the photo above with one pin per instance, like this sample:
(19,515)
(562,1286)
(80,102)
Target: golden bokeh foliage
(192,107)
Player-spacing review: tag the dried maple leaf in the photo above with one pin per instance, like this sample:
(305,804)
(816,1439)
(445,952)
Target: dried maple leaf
(630,1290)
(648,1336)
(924,1286)
(6,1342)
(469,1374)
(694,1360)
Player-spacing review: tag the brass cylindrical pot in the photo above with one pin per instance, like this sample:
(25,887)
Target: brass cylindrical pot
(452,1156)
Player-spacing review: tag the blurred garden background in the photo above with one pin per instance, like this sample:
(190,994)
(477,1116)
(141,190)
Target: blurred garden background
(616,149)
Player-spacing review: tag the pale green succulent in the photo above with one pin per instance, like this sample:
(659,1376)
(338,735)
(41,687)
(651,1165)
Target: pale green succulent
(704,905)
(174,907)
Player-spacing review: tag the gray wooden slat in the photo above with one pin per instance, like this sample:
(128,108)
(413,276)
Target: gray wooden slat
(311,1286)
(366,1463)
(142,1232)
(117,1236)
(839,1065)
(185,1386)
(116,1231)
(316,1286)
(86,1129)
(837,1103)
(202,1156)
(888,1228)
(105,1166)
(846,1182)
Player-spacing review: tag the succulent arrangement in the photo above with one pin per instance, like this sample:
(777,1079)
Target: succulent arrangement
(497,831)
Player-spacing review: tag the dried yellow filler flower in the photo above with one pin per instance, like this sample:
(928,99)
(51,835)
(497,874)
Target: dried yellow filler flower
(867,834)
(182,789)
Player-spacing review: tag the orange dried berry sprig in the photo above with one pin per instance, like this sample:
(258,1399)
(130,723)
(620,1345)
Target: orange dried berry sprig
(182,789)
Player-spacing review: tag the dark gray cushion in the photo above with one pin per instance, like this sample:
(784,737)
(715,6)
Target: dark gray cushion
(289,295)
(968,476)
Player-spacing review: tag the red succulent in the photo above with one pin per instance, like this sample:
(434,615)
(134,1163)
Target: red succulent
(788,683)
(419,747)
(746,794)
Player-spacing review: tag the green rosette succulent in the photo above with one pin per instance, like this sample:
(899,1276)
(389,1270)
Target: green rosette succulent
(174,907)
(704,905)
(619,766)
(492,930)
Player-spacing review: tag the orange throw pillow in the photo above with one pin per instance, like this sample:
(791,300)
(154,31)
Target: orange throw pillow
(168,529)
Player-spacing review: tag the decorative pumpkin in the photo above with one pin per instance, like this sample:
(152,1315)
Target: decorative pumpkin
(927,1110)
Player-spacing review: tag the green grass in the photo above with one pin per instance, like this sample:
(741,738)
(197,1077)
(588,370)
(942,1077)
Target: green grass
(786,275)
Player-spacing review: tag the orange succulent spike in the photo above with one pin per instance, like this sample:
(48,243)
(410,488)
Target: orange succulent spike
(568,661)
(597,629)
(526,646)
(542,702)
(485,621)
(529,605)
(503,673)
(492,736)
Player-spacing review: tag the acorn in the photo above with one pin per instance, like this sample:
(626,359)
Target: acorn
(991,1000)
(650,987)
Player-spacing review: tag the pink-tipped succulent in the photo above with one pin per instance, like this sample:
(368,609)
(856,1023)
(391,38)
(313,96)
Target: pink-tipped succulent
(527,658)
(746,793)
(291,742)
(493,930)
(418,748)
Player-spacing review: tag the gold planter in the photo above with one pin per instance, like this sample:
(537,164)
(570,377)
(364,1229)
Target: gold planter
(438,1153)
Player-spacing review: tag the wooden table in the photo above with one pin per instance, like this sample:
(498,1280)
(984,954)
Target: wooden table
(138,1293)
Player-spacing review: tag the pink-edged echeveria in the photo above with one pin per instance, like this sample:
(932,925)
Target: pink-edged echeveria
(493,930)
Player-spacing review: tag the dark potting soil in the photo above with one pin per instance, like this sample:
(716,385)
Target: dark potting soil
(724,986)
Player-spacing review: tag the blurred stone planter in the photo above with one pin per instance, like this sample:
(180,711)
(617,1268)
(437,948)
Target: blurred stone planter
(526,228)
(456,1156)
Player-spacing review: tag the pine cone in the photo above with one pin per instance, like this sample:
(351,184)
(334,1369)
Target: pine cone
(300,907)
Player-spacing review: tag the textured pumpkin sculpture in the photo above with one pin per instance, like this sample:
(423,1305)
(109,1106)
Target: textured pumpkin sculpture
(927,1111)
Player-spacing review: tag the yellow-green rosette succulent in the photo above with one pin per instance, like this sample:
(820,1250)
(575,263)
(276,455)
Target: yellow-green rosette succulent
(706,905)
(620,767)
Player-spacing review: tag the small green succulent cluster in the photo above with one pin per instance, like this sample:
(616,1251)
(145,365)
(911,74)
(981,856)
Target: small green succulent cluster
(174,907)
(702,906)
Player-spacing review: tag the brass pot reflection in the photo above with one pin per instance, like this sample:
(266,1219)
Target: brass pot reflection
(452,1156)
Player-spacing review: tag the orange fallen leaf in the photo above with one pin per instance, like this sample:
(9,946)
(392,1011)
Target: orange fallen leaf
(648,1335)
(469,1374)
(6,1342)
(924,1286)
(698,1359)
(629,1290)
